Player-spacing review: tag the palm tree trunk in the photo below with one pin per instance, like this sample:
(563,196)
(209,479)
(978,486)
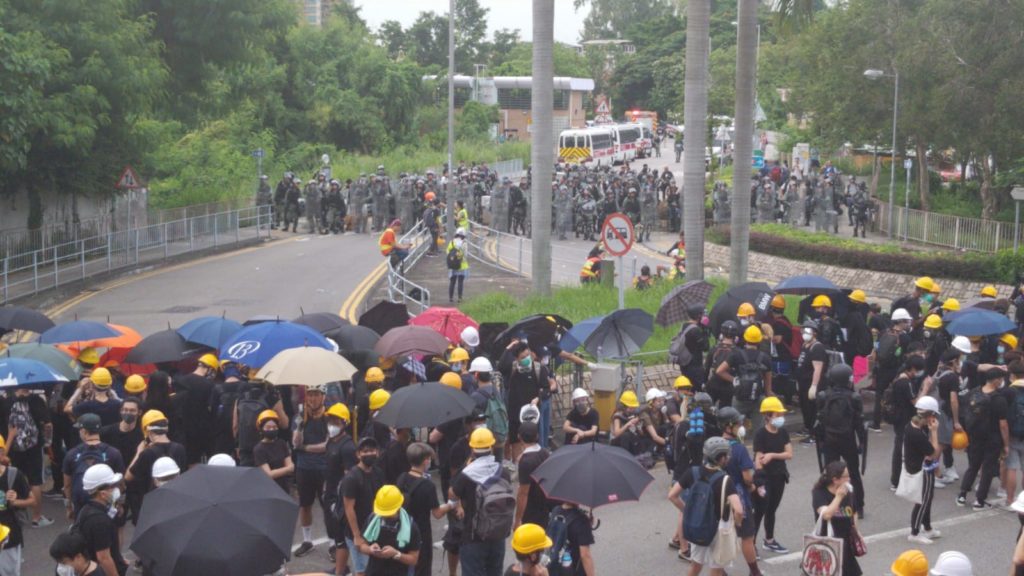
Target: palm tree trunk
(542,149)
(746,54)
(695,119)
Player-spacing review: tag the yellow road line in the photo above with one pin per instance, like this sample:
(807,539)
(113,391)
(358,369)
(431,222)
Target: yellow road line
(350,307)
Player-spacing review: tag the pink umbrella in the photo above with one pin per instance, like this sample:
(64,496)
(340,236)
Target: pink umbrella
(448,322)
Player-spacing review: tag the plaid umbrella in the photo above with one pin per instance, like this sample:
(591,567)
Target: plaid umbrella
(416,368)
(674,304)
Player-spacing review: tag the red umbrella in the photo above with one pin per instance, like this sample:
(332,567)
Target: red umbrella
(448,322)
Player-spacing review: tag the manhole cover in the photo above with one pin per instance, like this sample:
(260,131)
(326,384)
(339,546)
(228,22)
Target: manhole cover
(181,310)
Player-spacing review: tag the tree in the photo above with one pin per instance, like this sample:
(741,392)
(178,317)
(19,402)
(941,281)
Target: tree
(470,34)
(742,154)
(695,110)
(542,149)
(613,18)
(650,78)
(519,62)
(505,40)
(428,40)
(392,37)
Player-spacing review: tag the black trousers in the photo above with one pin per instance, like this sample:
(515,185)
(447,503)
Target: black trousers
(897,454)
(981,457)
(808,407)
(847,451)
(883,377)
(922,513)
(764,508)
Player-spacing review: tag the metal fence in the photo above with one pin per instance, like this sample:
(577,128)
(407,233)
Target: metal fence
(33,271)
(400,289)
(946,230)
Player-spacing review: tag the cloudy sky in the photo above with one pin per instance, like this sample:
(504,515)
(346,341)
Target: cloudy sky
(503,14)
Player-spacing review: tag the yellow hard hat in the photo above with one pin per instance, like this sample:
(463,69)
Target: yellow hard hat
(936,289)
(779,302)
(772,404)
(910,563)
(1010,340)
(951,305)
(152,417)
(135,384)
(745,309)
(210,361)
(388,501)
(629,399)
(530,538)
(374,374)
(3,444)
(933,321)
(386,363)
(481,439)
(989,291)
(682,382)
(459,355)
(924,283)
(101,377)
(452,379)
(859,296)
(89,356)
(752,335)
(378,398)
(821,301)
(264,416)
(339,410)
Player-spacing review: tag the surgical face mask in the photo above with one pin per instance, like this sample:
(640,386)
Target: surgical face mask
(544,361)
(849,488)
(927,298)
(1000,349)
(741,432)
(928,334)
(778,421)
(744,322)
(333,430)
(807,336)
(525,364)
(457,367)
(66,570)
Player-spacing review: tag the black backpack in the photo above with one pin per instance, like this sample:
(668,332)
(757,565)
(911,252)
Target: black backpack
(838,415)
(557,530)
(223,413)
(88,455)
(454,259)
(249,406)
(889,351)
(749,380)
(979,407)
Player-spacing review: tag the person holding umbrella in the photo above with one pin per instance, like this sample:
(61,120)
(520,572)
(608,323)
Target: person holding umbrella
(391,539)
(572,527)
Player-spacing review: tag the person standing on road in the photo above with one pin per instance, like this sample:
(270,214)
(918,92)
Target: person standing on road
(740,469)
(986,413)
(391,540)
(695,342)
(749,370)
(341,457)
(310,442)
(71,553)
(358,490)
(421,502)
(15,493)
(904,395)
(28,426)
(947,382)
(921,453)
(271,454)
(888,356)
(94,522)
(457,263)
(193,393)
(94,396)
(126,436)
(720,389)
(155,445)
(532,506)
(811,368)
(716,453)
(529,542)
(841,428)
(479,555)
(79,459)
(782,355)
(831,502)
(772,449)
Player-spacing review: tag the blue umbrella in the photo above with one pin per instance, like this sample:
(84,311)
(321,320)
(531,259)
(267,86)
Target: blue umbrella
(210,331)
(27,373)
(77,331)
(806,284)
(579,333)
(978,322)
(255,345)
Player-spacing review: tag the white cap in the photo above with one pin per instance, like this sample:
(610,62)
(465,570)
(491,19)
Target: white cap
(927,404)
(529,413)
(480,364)
(470,336)
(952,563)
(164,467)
(221,460)
(653,394)
(900,314)
(962,343)
(580,393)
(99,475)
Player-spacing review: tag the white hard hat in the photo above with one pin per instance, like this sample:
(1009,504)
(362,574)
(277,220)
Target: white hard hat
(480,364)
(470,336)
(900,314)
(962,343)
(460,231)
(952,563)
(654,394)
(164,467)
(927,404)
(99,475)
(529,413)
(580,393)
(221,460)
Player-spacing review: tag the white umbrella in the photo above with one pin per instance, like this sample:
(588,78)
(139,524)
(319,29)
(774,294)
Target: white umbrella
(306,366)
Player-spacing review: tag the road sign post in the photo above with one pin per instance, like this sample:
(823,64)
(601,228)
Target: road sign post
(1018,195)
(617,236)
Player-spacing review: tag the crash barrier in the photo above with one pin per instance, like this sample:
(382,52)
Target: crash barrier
(400,289)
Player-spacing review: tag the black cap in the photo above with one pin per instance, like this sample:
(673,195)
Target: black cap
(89,422)
(950,355)
(995,373)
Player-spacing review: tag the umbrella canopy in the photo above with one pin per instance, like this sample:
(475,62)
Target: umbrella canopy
(214,520)
(758,294)
(978,322)
(425,404)
(27,373)
(384,316)
(405,340)
(261,318)
(353,337)
(322,322)
(448,322)
(306,367)
(210,331)
(983,303)
(579,333)
(361,359)
(126,339)
(675,303)
(77,331)
(592,475)
(163,346)
(620,334)
(539,329)
(21,318)
(255,345)
(489,332)
(806,284)
(58,360)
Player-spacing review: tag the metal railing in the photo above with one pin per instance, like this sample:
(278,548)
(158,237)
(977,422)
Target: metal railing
(946,230)
(400,289)
(33,271)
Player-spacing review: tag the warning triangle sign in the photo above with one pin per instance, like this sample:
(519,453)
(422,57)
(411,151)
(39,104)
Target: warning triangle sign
(129,180)
(602,108)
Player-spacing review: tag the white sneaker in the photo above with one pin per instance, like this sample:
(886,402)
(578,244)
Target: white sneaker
(933,534)
(950,475)
(940,482)
(1000,493)
(920,539)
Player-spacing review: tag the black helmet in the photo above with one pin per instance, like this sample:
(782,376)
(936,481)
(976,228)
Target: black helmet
(716,447)
(730,329)
(812,324)
(728,416)
(695,312)
(840,375)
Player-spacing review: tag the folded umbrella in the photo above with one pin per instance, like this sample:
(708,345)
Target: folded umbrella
(306,367)
(757,294)
(163,346)
(806,284)
(77,331)
(425,404)
(448,322)
(592,475)
(620,334)
(27,373)
(978,322)
(404,340)
(353,337)
(675,304)
(210,331)
(322,322)
(384,316)
(58,360)
(21,318)
(255,345)
(216,520)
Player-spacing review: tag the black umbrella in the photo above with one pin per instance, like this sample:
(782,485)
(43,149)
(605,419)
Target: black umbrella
(350,337)
(675,303)
(163,346)
(361,359)
(489,332)
(425,404)
(840,306)
(21,318)
(322,322)
(758,294)
(620,334)
(539,329)
(384,316)
(216,520)
(592,475)
(806,284)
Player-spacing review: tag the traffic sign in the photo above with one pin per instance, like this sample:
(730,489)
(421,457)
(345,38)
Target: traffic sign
(129,180)
(603,109)
(258,153)
(1017,193)
(617,234)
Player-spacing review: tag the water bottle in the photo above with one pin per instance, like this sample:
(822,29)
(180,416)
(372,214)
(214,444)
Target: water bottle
(566,559)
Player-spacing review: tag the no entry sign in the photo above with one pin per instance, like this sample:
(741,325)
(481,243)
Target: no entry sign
(617,234)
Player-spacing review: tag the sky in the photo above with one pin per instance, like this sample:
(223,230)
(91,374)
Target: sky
(503,14)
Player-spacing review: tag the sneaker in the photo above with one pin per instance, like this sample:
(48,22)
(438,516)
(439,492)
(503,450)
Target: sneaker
(685,554)
(950,475)
(303,549)
(808,441)
(875,428)
(933,534)
(774,546)
(1001,494)
(920,539)
(331,552)
(979,506)
(940,483)
(892,488)
(961,500)
(43,522)
(673,544)
(54,493)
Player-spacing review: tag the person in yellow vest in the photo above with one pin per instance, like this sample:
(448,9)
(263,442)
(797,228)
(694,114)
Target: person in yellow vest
(458,264)
(591,271)
(461,215)
(389,245)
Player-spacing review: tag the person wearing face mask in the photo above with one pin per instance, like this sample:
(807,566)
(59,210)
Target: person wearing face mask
(912,303)
(358,489)
(192,392)
(71,553)
(740,469)
(772,449)
(529,542)
(811,368)
(392,541)
(272,453)
(947,383)
(341,457)
(458,362)
(154,445)
(125,436)
(625,431)
(15,495)
(458,264)
(906,388)
(310,442)
(94,523)
(581,423)
(936,341)
(469,339)
(547,388)
(79,459)
(889,353)
(921,453)
(718,388)
(841,428)
(421,501)
(165,469)
(746,315)
(749,370)
(986,414)
(831,502)
(377,430)
(523,381)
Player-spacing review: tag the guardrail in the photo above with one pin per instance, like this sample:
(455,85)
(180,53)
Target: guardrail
(31,272)
(947,230)
(400,288)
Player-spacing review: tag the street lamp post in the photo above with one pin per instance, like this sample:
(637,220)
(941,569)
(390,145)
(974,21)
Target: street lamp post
(875,74)
(450,188)
(907,165)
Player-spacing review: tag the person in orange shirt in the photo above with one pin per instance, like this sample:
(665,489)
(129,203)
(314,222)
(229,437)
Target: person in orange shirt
(389,245)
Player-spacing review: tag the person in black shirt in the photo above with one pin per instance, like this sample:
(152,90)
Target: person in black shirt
(579,537)
(22,412)
(772,449)
(156,444)
(921,454)
(782,356)
(341,457)
(719,389)
(93,521)
(272,453)
(904,394)
(421,501)
(811,368)
(532,506)
(989,433)
(79,459)
(477,556)
(831,502)
(947,380)
(71,550)
(747,396)
(392,540)
(696,343)
(842,428)
(15,493)
(193,392)
(582,421)
(126,436)
(358,489)
(395,461)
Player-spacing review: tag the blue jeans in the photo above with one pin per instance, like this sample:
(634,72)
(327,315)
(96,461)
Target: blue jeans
(545,422)
(359,560)
(482,558)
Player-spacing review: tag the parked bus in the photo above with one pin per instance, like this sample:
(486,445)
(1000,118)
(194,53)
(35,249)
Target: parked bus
(586,146)
(627,142)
